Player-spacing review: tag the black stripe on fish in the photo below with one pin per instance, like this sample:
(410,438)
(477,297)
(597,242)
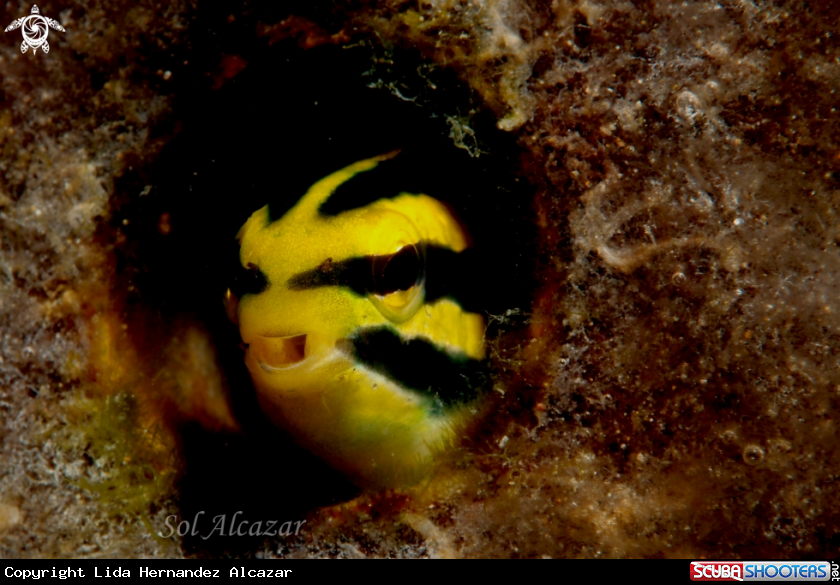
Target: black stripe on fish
(388,179)
(458,276)
(454,275)
(379,275)
(418,365)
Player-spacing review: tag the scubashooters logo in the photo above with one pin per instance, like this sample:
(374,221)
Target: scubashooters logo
(760,571)
(712,571)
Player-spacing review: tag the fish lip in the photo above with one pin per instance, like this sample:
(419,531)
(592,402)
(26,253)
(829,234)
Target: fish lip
(276,353)
(274,369)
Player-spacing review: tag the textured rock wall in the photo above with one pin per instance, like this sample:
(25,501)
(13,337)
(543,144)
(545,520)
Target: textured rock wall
(68,120)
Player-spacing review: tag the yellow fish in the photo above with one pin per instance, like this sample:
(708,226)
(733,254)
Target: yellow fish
(355,338)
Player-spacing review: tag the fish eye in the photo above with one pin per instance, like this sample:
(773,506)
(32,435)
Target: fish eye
(397,272)
(398,282)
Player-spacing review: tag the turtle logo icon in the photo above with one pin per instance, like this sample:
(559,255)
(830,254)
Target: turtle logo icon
(35,29)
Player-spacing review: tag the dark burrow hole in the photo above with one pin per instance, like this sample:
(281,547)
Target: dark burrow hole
(289,118)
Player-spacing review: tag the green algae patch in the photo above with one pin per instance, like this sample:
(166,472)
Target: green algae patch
(135,466)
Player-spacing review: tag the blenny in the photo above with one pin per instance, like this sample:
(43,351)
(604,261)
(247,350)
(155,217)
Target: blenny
(356,340)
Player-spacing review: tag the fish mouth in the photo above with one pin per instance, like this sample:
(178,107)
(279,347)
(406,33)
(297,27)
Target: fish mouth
(278,353)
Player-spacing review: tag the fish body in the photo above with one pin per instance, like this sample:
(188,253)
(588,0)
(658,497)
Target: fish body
(354,342)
